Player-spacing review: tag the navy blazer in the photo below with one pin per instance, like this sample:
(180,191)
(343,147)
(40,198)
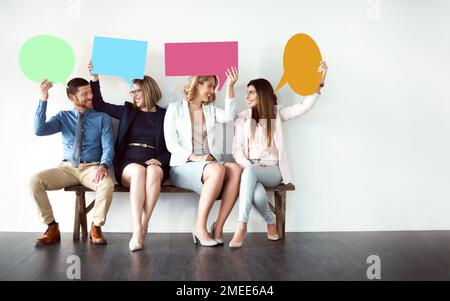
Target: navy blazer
(126,113)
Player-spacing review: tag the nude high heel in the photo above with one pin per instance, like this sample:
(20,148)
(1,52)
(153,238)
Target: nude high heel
(233,244)
(273,237)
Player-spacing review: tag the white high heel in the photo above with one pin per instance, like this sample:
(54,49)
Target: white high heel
(203,242)
(219,240)
(134,246)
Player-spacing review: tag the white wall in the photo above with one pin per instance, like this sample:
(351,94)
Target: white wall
(374,154)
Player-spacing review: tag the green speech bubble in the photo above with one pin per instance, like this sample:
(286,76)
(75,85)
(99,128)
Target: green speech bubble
(47,57)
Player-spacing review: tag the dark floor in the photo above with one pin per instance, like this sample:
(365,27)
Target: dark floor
(422,255)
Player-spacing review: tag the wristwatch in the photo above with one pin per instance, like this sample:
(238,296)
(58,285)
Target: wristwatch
(104,165)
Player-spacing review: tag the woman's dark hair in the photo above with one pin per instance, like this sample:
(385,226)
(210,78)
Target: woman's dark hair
(266,109)
(150,90)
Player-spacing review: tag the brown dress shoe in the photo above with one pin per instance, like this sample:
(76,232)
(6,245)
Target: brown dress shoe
(96,235)
(51,236)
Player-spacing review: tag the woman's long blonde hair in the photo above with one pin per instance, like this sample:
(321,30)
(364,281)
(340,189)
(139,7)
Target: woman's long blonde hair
(190,88)
(150,91)
(266,109)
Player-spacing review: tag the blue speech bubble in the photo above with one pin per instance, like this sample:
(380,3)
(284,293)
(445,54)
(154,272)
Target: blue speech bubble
(119,57)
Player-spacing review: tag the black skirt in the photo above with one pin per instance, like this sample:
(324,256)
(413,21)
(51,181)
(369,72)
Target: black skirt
(139,155)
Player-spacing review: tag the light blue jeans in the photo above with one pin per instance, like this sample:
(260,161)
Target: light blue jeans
(252,192)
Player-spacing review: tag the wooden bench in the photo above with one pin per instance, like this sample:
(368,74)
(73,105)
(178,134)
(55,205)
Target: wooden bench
(81,210)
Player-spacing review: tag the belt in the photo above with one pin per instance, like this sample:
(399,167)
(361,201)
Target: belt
(141,145)
(265,162)
(82,161)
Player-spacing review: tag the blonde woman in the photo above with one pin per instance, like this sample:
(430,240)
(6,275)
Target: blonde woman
(258,148)
(196,161)
(142,159)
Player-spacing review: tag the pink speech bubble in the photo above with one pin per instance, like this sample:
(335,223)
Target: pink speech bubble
(207,58)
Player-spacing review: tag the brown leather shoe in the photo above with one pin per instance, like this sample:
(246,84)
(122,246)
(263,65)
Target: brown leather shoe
(96,235)
(51,236)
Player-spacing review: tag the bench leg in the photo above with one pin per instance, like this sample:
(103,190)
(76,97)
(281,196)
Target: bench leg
(76,225)
(280,212)
(83,213)
(80,216)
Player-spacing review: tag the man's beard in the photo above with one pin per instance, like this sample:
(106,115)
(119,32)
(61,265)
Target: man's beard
(85,104)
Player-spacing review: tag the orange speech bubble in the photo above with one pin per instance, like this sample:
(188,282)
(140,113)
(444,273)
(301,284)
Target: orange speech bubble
(300,62)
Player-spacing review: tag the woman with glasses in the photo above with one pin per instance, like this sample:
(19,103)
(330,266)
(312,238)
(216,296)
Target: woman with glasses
(258,147)
(142,159)
(196,163)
